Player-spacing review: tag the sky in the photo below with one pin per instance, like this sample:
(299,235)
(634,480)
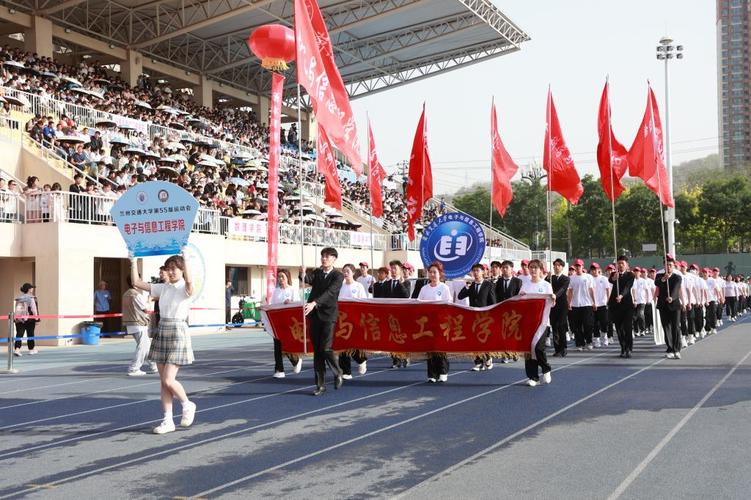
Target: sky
(574,45)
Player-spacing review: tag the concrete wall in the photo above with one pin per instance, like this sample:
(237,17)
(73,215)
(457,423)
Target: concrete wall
(11,155)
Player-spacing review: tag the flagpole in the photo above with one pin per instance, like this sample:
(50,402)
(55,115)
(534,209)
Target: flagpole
(550,180)
(368,181)
(612,189)
(302,228)
(659,181)
(491,170)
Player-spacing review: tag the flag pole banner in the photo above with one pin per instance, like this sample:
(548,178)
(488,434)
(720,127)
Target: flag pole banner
(272,237)
(327,167)
(411,326)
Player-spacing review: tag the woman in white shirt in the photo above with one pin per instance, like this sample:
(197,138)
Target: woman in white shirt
(283,294)
(352,289)
(536,285)
(171,348)
(435,290)
(731,293)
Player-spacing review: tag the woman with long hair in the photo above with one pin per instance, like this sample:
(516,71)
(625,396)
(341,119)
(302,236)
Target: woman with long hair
(171,348)
(283,294)
(352,289)
(436,290)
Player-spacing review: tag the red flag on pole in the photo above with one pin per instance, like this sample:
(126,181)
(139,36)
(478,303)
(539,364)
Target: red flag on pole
(275,125)
(420,181)
(327,168)
(557,161)
(612,156)
(646,158)
(376,174)
(503,168)
(317,72)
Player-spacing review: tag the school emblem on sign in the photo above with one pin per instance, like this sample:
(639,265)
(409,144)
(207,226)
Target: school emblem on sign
(456,240)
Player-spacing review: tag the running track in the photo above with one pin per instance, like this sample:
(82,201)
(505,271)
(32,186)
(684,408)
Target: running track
(74,426)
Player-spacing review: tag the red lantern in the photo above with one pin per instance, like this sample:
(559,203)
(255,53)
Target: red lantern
(274,45)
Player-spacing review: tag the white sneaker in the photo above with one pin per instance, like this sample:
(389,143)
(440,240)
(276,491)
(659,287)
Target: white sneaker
(691,340)
(32,352)
(703,334)
(189,414)
(683,342)
(298,366)
(714,331)
(153,369)
(477,367)
(136,373)
(548,343)
(443,378)
(568,337)
(17,352)
(165,427)
(347,376)
(532,383)
(279,375)
(589,347)
(596,342)
(604,342)
(677,355)
(363,368)
(489,364)
(670,355)
(580,348)
(546,378)
(431,380)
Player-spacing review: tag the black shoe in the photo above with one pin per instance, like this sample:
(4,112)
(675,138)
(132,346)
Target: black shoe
(628,354)
(622,354)
(405,363)
(338,382)
(563,354)
(556,354)
(319,390)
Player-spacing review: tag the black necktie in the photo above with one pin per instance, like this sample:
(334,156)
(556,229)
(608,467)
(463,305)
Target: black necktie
(505,285)
(477,288)
(393,285)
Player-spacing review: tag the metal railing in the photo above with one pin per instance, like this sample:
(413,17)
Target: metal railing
(57,161)
(544,255)
(12,207)
(10,129)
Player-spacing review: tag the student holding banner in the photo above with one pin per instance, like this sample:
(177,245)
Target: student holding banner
(283,294)
(621,305)
(481,293)
(536,285)
(669,305)
(172,347)
(436,290)
(396,288)
(352,289)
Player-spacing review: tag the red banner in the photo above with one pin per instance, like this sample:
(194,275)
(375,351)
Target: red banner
(502,168)
(420,179)
(557,161)
(376,174)
(389,325)
(275,124)
(317,72)
(327,167)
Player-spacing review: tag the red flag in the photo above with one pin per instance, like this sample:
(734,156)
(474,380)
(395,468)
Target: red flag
(612,156)
(275,125)
(557,161)
(502,166)
(317,72)
(420,181)
(376,174)
(327,168)
(646,157)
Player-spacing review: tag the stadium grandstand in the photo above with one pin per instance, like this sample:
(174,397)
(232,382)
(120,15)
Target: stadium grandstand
(100,95)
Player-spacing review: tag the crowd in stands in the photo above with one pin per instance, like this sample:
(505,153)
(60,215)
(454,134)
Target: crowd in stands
(110,158)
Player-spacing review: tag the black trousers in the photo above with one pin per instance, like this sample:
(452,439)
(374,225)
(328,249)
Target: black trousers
(687,321)
(227,315)
(278,357)
(670,321)
(533,366)
(698,318)
(711,322)
(25,327)
(623,319)
(322,336)
(559,324)
(438,364)
(582,324)
(648,318)
(720,307)
(730,307)
(601,321)
(640,322)
(345,361)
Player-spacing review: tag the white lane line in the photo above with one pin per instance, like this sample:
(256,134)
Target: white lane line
(378,431)
(670,435)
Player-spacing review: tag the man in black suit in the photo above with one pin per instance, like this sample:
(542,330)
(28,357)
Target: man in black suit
(481,294)
(559,312)
(396,288)
(323,309)
(75,210)
(379,287)
(621,305)
(669,304)
(507,285)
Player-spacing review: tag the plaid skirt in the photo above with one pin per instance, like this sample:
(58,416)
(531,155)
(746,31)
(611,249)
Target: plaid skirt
(172,344)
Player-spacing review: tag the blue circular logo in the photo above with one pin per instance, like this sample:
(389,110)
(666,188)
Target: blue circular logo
(455,240)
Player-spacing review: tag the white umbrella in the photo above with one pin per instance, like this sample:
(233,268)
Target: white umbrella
(135,151)
(119,140)
(176,126)
(206,163)
(175,146)
(169,170)
(179,158)
(106,124)
(15,64)
(167,109)
(143,104)
(152,154)
(17,100)
(72,138)
(48,74)
(204,156)
(251,211)
(167,160)
(90,92)
(263,185)
(72,80)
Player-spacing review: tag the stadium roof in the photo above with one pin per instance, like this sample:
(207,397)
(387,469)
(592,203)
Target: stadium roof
(379,44)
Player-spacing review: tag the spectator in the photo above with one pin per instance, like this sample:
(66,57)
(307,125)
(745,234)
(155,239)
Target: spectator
(102,298)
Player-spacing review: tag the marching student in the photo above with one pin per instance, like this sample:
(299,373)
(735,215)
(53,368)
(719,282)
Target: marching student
(283,294)
(581,303)
(506,287)
(537,285)
(669,305)
(720,284)
(524,272)
(136,323)
(639,291)
(495,271)
(396,288)
(481,294)
(558,320)
(436,290)
(323,309)
(687,303)
(352,289)
(379,287)
(621,305)
(700,293)
(710,325)
(731,296)
(365,279)
(602,294)
(649,310)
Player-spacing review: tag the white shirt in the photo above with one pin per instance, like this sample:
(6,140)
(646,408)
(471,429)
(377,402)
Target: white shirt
(704,290)
(650,290)
(281,295)
(366,282)
(640,291)
(730,289)
(580,286)
(353,291)
(174,302)
(602,290)
(542,286)
(439,292)
(711,289)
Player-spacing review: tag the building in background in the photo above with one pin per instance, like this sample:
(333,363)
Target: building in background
(734,82)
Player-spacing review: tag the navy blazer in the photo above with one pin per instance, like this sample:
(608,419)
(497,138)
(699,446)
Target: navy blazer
(325,292)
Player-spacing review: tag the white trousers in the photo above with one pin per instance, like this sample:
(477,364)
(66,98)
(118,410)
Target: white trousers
(143,343)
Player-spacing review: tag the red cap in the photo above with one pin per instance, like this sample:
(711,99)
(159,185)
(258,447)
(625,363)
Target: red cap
(594,265)
(364,264)
(578,262)
(637,269)
(610,267)
(525,262)
(407,265)
(485,267)
(684,263)
(694,266)
(716,269)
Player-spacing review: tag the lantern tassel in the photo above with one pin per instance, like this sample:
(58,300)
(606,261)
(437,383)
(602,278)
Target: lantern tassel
(274,64)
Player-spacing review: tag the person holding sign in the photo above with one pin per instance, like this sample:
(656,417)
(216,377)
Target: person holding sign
(481,293)
(171,348)
(436,290)
(537,285)
(352,289)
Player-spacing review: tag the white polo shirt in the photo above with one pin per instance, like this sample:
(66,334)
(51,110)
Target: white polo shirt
(602,290)
(580,286)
